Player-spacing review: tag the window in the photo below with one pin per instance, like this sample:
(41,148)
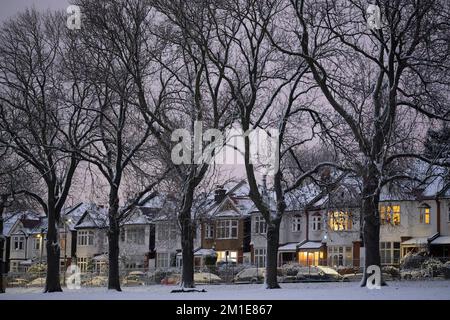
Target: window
(296,224)
(18,243)
(136,235)
(449,212)
(390,215)
(317,222)
(209,231)
(340,221)
(424,214)
(37,243)
(167,231)
(163,260)
(82,264)
(122,234)
(260,257)
(231,257)
(340,256)
(390,253)
(85,238)
(227,229)
(260,225)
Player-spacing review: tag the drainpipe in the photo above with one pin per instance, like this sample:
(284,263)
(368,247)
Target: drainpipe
(438,215)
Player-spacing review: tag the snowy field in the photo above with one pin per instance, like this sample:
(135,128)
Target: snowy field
(405,290)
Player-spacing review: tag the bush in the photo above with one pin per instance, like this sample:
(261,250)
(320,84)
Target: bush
(412,261)
(434,267)
(392,271)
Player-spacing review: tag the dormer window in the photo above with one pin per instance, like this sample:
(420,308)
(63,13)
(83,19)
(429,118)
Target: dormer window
(424,213)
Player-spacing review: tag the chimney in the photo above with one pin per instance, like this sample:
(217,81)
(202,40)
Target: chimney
(219,194)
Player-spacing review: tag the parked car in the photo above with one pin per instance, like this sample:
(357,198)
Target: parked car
(171,279)
(206,278)
(318,274)
(18,282)
(255,275)
(38,282)
(134,278)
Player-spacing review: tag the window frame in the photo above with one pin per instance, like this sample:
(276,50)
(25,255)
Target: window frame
(209,231)
(316,222)
(260,225)
(296,224)
(225,228)
(85,238)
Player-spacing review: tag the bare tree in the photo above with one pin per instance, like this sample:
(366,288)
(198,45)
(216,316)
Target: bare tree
(380,80)
(35,122)
(114,37)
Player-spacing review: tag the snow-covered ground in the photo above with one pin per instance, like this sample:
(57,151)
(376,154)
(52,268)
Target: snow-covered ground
(405,290)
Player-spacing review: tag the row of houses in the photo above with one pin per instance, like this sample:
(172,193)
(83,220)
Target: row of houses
(317,229)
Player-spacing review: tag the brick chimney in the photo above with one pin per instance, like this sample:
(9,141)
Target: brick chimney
(219,193)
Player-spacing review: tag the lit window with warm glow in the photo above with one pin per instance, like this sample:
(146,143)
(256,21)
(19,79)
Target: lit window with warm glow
(390,215)
(424,214)
(340,220)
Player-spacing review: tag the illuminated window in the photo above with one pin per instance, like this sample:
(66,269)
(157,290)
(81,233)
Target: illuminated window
(296,224)
(260,225)
(340,221)
(390,215)
(424,213)
(229,256)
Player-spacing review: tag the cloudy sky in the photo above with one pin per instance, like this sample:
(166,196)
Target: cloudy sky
(9,8)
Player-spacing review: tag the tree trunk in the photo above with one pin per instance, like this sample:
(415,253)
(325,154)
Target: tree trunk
(52,283)
(273,235)
(187,246)
(113,242)
(371,221)
(2,244)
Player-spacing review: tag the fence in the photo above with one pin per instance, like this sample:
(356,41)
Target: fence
(417,267)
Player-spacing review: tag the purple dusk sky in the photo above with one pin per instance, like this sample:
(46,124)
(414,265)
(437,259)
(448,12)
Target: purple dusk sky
(9,8)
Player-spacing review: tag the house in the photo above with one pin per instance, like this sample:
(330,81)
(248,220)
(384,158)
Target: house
(415,219)
(137,238)
(226,225)
(91,239)
(318,227)
(27,241)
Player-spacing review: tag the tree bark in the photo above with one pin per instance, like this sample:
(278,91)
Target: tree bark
(273,236)
(371,220)
(2,244)
(187,245)
(52,283)
(113,241)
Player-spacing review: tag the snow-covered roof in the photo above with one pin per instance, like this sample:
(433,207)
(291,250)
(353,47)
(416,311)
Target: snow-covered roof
(289,247)
(71,215)
(94,217)
(441,240)
(205,252)
(310,245)
(415,241)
